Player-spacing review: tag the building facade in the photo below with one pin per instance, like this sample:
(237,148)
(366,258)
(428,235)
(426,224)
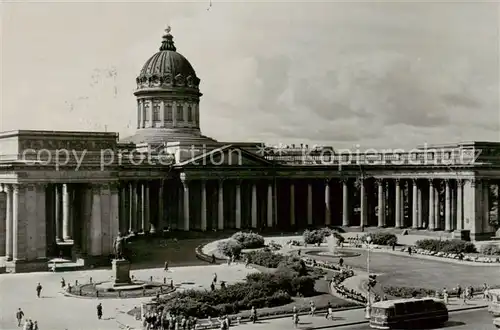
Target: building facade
(75,191)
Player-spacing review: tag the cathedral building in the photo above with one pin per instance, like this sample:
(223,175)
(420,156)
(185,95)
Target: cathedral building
(71,193)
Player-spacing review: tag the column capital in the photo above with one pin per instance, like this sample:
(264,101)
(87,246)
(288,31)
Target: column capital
(6,188)
(415,181)
(327,181)
(114,186)
(431,182)
(473,182)
(238,181)
(379,181)
(17,187)
(344,179)
(460,182)
(397,181)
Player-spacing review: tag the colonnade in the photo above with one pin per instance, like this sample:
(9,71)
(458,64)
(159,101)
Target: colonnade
(433,204)
(37,218)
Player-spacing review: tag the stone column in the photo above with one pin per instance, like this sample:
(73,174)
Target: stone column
(238,205)
(96,222)
(132,207)
(415,212)
(142,205)
(419,207)
(345,203)
(431,225)
(19,232)
(398,204)
(447,206)
(486,207)
(66,212)
(270,205)
(162,116)
(147,210)
(185,199)
(114,214)
(220,213)
(254,206)
(58,213)
(292,204)
(123,210)
(309,205)
(381,203)
(328,211)
(161,205)
(460,206)
(9,227)
(437,216)
(363,204)
(203,205)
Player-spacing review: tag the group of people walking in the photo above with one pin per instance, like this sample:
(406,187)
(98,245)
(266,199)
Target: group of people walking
(28,324)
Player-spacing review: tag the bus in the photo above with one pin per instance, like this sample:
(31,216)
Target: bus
(408,314)
(494,302)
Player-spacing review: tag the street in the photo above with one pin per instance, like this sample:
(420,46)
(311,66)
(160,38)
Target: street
(470,320)
(463,320)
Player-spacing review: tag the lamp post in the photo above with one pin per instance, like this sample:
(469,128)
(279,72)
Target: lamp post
(368,302)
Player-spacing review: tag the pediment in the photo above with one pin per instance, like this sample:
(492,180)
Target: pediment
(227,156)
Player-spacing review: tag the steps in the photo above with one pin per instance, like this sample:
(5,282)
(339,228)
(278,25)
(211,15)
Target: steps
(64,265)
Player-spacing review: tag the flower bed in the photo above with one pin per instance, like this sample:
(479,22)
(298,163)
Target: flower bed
(456,256)
(454,246)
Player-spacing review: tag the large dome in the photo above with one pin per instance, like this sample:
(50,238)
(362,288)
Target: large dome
(167,68)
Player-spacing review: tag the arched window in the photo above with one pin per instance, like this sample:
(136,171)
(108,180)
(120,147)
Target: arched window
(168,112)
(180,113)
(190,113)
(156,111)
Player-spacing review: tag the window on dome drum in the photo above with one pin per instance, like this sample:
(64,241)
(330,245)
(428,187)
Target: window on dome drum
(156,111)
(146,111)
(168,112)
(190,113)
(180,113)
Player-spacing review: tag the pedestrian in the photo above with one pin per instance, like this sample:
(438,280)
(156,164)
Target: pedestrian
(35,325)
(19,316)
(38,289)
(313,308)
(63,282)
(215,278)
(213,258)
(328,309)
(485,291)
(459,291)
(466,294)
(445,296)
(166,266)
(295,319)
(409,250)
(26,325)
(471,291)
(99,311)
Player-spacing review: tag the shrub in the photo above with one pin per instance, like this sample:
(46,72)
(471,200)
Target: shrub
(381,238)
(266,259)
(294,266)
(317,236)
(229,248)
(490,249)
(407,292)
(454,246)
(249,240)
(259,290)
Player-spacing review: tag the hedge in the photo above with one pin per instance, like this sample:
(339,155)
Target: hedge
(409,292)
(266,259)
(455,246)
(381,238)
(249,240)
(259,290)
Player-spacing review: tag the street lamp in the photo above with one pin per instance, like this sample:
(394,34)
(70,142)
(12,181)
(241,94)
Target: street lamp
(368,303)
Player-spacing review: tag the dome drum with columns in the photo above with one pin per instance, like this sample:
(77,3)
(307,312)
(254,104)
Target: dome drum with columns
(168,99)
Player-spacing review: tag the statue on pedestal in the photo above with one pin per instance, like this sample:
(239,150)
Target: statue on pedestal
(118,246)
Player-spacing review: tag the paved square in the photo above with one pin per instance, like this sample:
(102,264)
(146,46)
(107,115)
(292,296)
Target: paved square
(56,312)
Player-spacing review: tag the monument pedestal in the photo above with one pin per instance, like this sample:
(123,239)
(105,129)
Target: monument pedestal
(121,272)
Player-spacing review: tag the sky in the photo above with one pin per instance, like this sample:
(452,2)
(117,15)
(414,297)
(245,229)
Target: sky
(368,74)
